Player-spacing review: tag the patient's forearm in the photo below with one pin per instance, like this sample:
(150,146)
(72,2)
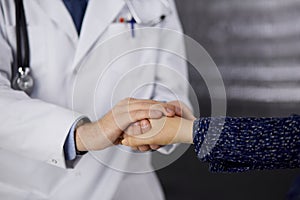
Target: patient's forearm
(248,143)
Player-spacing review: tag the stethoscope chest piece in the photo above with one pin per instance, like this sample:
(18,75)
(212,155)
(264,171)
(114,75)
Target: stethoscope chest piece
(23,80)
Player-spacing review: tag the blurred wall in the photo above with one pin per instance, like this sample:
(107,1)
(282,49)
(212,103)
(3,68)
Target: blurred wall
(256,46)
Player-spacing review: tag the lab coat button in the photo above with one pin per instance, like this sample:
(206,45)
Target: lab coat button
(54,161)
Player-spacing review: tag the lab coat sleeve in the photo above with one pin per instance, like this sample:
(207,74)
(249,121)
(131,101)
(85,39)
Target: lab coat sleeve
(171,80)
(30,127)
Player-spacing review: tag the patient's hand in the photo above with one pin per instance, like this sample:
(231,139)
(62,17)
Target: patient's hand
(164,131)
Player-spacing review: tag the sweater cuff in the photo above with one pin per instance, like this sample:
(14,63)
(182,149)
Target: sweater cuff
(200,128)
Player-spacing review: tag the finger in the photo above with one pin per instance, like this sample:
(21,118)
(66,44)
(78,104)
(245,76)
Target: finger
(134,148)
(142,114)
(135,104)
(182,110)
(131,101)
(125,120)
(135,141)
(139,148)
(144,148)
(137,128)
(167,110)
(129,130)
(178,107)
(132,114)
(145,125)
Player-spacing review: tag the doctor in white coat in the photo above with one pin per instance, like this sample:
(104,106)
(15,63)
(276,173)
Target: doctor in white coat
(72,80)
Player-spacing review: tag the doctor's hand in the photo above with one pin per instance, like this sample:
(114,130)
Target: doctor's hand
(182,110)
(108,130)
(164,131)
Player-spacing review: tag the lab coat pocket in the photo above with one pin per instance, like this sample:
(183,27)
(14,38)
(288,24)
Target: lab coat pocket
(36,37)
(137,35)
(133,47)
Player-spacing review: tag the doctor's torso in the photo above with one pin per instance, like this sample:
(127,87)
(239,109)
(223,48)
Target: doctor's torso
(87,74)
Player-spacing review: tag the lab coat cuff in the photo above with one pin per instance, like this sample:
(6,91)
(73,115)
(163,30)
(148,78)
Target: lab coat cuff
(167,149)
(70,146)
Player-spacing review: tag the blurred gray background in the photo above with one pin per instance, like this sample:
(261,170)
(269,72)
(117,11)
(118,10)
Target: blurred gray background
(256,46)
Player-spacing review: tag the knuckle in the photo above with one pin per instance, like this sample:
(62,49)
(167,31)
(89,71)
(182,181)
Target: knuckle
(126,100)
(130,99)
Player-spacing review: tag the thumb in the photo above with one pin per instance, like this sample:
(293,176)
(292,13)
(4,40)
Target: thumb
(138,140)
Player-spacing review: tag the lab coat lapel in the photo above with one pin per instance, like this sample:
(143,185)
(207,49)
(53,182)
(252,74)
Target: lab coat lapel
(57,11)
(99,15)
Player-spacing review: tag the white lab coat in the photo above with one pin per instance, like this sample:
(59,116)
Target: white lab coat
(67,85)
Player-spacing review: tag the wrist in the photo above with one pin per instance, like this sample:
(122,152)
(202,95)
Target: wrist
(93,137)
(80,137)
(186,131)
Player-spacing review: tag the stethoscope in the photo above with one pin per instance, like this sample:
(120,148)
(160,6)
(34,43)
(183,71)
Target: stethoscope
(21,73)
(22,78)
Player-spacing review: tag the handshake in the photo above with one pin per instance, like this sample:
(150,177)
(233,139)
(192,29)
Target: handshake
(141,124)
